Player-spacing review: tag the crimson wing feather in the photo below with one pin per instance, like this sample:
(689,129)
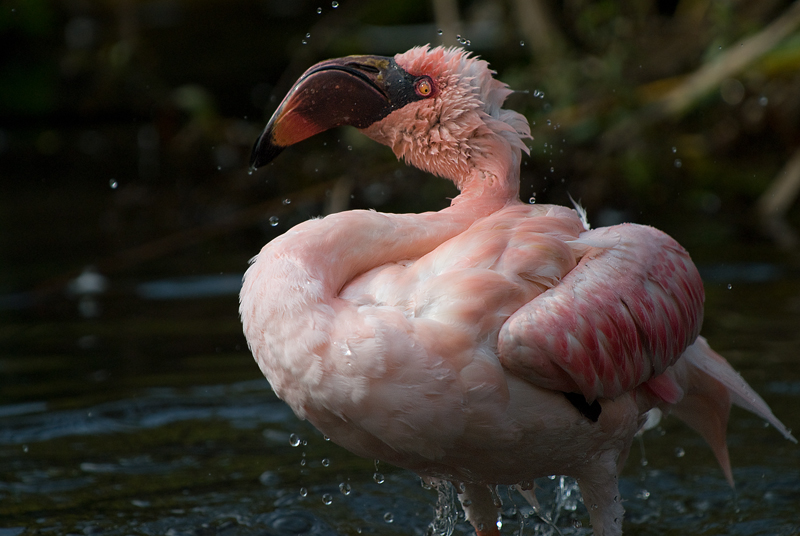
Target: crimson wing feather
(624,314)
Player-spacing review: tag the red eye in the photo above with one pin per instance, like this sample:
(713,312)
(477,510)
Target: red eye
(424,87)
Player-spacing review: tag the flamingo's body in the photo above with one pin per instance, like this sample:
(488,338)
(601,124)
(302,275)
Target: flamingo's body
(492,342)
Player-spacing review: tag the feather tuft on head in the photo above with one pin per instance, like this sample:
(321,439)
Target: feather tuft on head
(462,131)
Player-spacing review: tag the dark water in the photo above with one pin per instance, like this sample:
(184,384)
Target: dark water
(138,410)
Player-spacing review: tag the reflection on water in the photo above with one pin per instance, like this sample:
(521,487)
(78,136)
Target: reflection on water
(191,287)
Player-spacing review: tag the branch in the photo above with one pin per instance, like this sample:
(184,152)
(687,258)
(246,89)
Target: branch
(708,77)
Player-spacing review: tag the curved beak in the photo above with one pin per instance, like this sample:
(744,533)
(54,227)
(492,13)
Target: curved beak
(355,90)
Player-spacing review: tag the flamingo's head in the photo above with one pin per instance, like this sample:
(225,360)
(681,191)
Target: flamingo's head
(438,108)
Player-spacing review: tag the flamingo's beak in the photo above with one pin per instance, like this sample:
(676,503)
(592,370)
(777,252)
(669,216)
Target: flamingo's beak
(356,90)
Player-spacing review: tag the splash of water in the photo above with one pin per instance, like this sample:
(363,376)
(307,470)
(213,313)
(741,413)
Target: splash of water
(447,508)
(565,499)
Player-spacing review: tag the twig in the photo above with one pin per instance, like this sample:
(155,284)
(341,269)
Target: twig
(709,76)
(536,23)
(774,203)
(445,12)
(705,79)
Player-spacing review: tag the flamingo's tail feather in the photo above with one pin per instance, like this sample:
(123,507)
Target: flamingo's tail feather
(712,385)
(705,407)
(704,358)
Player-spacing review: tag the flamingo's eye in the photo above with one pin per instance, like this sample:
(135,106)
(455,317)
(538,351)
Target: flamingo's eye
(424,87)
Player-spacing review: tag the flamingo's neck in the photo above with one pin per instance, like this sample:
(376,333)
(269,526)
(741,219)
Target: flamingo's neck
(483,162)
(494,173)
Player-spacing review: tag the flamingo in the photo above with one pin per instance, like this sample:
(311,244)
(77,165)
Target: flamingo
(492,342)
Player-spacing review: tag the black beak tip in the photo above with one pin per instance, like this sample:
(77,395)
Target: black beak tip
(264,151)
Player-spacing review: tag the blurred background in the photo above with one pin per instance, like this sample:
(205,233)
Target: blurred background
(128,399)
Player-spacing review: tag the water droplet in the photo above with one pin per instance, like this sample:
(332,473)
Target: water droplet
(219,168)
(294,440)
(308,36)
(326,462)
(113,184)
(552,169)
(522,43)
(763,101)
(326,438)
(249,171)
(334,4)
(319,11)
(388,517)
(345,488)
(273,221)
(643,494)
(24,448)
(349,147)
(679,452)
(549,122)
(730,286)
(303,492)
(303,462)
(287,201)
(327,498)
(379,478)
(532,199)
(576,524)
(678,163)
(674,149)
(304,42)
(440,32)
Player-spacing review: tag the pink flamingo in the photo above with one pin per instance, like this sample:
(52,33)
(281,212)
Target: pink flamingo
(492,342)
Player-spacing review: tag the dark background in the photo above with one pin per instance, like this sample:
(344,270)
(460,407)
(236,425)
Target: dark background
(129,402)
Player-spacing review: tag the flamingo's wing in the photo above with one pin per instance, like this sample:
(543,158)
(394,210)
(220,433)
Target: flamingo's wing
(624,314)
